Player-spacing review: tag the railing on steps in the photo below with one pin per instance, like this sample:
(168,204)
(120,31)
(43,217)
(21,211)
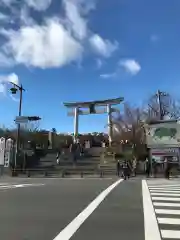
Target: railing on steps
(65,172)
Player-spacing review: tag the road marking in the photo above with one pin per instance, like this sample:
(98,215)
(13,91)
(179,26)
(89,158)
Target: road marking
(164,204)
(75,178)
(166,186)
(150,221)
(165,191)
(73,226)
(175,187)
(166,199)
(167,211)
(86,178)
(173,221)
(171,234)
(166,194)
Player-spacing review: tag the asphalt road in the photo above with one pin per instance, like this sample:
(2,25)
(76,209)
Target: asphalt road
(41,212)
(79,209)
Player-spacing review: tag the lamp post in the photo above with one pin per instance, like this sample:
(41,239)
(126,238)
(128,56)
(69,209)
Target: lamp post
(14,90)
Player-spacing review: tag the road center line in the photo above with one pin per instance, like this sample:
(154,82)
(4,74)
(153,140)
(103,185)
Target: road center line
(150,222)
(73,226)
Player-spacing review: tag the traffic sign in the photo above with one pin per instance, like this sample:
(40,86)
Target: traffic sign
(21,119)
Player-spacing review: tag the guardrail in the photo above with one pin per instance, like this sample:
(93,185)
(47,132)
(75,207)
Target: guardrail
(63,172)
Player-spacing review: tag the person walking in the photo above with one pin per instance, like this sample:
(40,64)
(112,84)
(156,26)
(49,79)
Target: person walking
(168,169)
(134,164)
(118,168)
(148,168)
(155,167)
(125,170)
(73,151)
(58,156)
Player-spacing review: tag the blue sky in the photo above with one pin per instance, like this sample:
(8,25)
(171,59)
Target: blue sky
(81,50)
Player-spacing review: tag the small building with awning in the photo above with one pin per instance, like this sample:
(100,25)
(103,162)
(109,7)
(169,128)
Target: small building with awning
(163,140)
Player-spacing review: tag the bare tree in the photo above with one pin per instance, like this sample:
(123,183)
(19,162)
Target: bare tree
(161,106)
(128,126)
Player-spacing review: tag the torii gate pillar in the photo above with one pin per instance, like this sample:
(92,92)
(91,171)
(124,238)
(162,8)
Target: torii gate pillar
(76,123)
(110,131)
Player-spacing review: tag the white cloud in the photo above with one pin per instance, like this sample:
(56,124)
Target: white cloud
(7,2)
(99,63)
(6,79)
(84,6)
(102,46)
(108,75)
(14,98)
(4,17)
(75,21)
(25,17)
(57,41)
(39,5)
(2,88)
(13,78)
(5,61)
(154,38)
(44,46)
(131,66)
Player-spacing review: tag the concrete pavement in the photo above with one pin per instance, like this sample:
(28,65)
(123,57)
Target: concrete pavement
(78,209)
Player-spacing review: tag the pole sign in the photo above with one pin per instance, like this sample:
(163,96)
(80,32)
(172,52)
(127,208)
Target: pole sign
(2,150)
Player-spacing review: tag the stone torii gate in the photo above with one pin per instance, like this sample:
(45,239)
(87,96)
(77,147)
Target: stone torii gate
(93,107)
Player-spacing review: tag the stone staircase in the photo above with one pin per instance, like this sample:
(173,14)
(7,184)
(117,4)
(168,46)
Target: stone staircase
(108,164)
(92,162)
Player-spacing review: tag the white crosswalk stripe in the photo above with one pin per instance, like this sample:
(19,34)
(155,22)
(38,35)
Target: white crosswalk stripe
(165,196)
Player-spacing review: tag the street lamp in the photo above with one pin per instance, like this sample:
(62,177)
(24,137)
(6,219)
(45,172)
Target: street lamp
(14,90)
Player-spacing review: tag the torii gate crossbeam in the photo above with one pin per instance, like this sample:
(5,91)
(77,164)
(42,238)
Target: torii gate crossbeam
(93,107)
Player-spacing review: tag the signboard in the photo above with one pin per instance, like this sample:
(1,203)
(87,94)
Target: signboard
(165,151)
(2,150)
(8,152)
(159,154)
(163,134)
(21,119)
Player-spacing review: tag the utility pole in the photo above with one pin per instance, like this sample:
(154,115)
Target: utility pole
(14,91)
(161,106)
(161,112)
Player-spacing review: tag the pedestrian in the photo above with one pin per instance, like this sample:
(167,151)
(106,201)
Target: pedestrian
(125,170)
(118,168)
(58,156)
(134,164)
(168,169)
(155,167)
(74,150)
(129,168)
(148,167)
